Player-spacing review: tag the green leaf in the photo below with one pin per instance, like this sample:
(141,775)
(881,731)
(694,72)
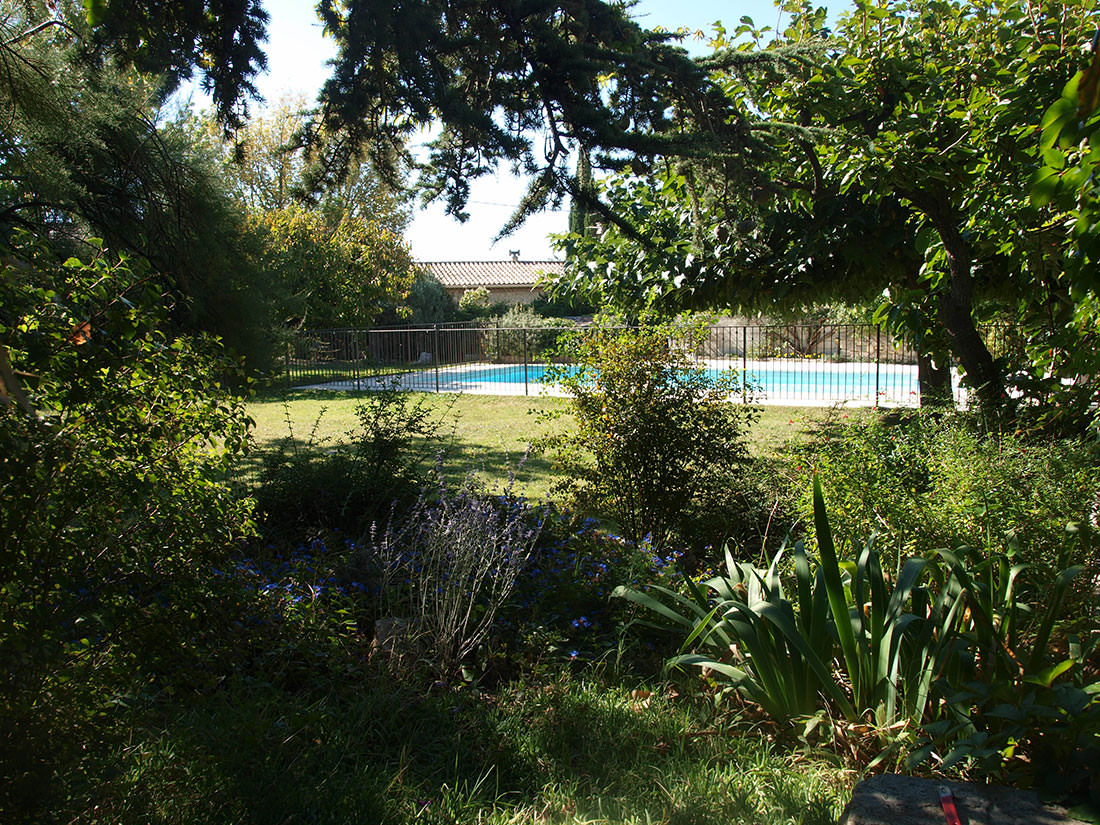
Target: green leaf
(1054,158)
(1045,678)
(834,586)
(95,11)
(1054,604)
(656,605)
(1060,114)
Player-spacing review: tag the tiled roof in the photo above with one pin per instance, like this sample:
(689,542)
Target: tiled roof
(470,274)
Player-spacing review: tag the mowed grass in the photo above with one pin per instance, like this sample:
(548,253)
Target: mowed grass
(489,436)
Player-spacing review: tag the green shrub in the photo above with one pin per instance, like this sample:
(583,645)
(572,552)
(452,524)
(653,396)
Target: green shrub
(475,301)
(428,302)
(920,481)
(304,488)
(562,306)
(115,442)
(1028,731)
(842,641)
(520,331)
(658,445)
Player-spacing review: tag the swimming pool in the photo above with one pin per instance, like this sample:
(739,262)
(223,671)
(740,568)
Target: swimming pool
(772,379)
(809,382)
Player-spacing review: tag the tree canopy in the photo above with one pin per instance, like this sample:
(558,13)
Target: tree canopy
(910,177)
(332,275)
(892,153)
(510,81)
(222,39)
(333,258)
(266,169)
(87,151)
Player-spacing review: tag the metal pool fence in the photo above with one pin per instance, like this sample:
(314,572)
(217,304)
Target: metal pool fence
(784,363)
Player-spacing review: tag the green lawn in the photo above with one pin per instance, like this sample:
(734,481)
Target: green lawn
(561,749)
(486,434)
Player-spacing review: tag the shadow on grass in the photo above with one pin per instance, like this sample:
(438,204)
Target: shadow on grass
(496,467)
(458,459)
(382,752)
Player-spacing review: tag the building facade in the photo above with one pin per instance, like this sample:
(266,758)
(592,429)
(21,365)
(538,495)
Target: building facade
(510,281)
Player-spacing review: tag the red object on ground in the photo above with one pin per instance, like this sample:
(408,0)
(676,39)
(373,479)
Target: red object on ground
(947,799)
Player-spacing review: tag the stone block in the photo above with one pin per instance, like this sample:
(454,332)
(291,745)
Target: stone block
(891,799)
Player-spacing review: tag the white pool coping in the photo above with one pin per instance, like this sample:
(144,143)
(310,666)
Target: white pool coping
(451,380)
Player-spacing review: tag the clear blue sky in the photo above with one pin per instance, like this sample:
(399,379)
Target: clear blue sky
(297,53)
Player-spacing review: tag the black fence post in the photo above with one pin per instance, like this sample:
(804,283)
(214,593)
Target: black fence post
(288,345)
(525,361)
(744,365)
(435,353)
(357,349)
(878,360)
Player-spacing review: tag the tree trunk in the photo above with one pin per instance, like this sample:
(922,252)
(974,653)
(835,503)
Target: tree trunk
(934,381)
(981,373)
(956,305)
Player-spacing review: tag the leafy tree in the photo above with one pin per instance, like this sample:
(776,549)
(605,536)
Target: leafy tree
(82,152)
(333,276)
(266,165)
(336,259)
(914,181)
(963,81)
(1069,157)
(477,301)
(1066,180)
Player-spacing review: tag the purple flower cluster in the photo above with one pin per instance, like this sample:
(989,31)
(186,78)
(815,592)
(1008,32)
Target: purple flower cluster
(563,589)
(306,573)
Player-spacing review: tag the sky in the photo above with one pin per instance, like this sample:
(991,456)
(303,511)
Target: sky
(297,54)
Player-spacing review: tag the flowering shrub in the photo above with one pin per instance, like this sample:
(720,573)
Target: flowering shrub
(562,597)
(446,567)
(449,560)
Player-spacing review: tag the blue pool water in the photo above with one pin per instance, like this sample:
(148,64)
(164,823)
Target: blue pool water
(810,379)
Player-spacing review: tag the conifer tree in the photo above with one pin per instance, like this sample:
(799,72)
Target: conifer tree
(581,217)
(511,82)
(84,152)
